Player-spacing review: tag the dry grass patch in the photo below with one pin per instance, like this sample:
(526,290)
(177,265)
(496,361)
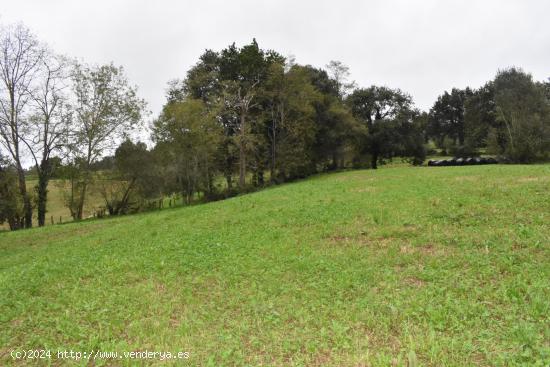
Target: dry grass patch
(426,249)
(468,178)
(364,189)
(414,282)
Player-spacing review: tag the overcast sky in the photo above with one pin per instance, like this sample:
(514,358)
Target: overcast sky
(423,47)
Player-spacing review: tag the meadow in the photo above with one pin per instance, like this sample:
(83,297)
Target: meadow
(401,266)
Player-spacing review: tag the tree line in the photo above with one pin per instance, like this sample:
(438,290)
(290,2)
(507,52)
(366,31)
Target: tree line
(241,118)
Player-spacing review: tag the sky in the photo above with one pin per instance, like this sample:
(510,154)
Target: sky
(422,47)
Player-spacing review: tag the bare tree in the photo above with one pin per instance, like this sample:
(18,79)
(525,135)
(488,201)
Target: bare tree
(340,74)
(21,57)
(240,99)
(49,125)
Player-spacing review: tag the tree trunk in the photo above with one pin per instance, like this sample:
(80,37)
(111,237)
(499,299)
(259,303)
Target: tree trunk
(273,154)
(13,223)
(42,199)
(242,167)
(210,183)
(374,160)
(80,210)
(272,171)
(27,207)
(242,153)
(43,180)
(123,204)
(255,176)
(334,165)
(229,180)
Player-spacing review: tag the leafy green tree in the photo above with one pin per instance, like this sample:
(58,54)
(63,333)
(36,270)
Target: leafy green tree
(479,118)
(233,79)
(132,179)
(242,72)
(11,203)
(290,121)
(337,131)
(545,85)
(189,135)
(523,112)
(106,108)
(411,142)
(385,112)
(447,119)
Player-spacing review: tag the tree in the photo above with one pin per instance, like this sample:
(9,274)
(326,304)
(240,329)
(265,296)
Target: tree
(241,73)
(189,135)
(290,121)
(523,112)
(446,119)
(340,75)
(233,79)
(337,131)
(131,180)
(49,124)
(479,118)
(106,107)
(11,205)
(21,57)
(381,109)
(546,88)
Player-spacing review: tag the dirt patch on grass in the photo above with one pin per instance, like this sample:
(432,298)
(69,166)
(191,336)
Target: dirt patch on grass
(362,240)
(528,179)
(344,241)
(406,231)
(390,340)
(160,287)
(322,358)
(426,249)
(174,321)
(468,178)
(364,189)
(414,282)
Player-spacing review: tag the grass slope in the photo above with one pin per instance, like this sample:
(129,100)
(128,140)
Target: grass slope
(425,266)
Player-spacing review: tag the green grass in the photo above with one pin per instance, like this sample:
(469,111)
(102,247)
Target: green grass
(56,207)
(401,266)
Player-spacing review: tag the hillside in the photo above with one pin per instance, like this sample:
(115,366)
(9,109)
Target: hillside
(443,266)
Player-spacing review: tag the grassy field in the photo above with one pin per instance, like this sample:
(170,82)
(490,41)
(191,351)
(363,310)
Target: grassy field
(401,266)
(57,208)
(56,203)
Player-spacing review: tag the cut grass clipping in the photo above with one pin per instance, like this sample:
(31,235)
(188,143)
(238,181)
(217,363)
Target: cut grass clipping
(399,266)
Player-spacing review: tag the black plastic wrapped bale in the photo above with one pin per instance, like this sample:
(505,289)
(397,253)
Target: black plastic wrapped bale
(461,161)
